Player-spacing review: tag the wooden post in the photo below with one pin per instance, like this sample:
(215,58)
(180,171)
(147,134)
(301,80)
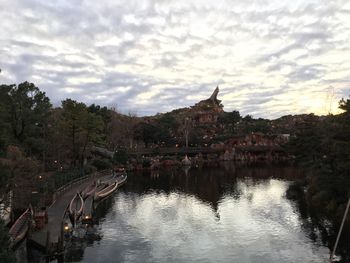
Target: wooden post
(60,250)
(61,238)
(47,246)
(340,230)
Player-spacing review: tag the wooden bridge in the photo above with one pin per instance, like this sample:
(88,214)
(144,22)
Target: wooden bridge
(203,150)
(49,239)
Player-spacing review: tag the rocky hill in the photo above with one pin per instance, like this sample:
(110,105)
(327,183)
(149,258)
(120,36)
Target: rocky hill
(205,122)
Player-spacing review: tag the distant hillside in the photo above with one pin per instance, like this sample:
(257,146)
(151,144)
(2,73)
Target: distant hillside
(203,123)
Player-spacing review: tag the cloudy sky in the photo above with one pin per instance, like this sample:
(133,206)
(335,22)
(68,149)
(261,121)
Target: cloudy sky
(269,58)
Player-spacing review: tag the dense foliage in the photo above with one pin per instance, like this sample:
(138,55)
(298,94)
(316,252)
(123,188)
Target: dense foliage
(323,146)
(38,141)
(29,122)
(24,111)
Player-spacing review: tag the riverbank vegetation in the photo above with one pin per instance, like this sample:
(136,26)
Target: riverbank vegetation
(322,146)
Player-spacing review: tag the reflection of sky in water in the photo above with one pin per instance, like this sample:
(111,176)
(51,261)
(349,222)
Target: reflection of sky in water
(254,224)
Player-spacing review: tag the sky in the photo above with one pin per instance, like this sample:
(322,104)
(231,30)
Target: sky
(269,58)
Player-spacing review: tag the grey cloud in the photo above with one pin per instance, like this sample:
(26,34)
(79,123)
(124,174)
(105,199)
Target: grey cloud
(42,40)
(308,72)
(280,65)
(34,47)
(167,60)
(276,55)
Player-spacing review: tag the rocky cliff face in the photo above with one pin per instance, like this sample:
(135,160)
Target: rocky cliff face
(207,111)
(210,104)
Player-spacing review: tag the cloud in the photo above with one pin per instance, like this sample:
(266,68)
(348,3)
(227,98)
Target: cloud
(154,56)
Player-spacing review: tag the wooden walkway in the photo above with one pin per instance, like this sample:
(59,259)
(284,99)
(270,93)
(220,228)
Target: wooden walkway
(50,238)
(88,210)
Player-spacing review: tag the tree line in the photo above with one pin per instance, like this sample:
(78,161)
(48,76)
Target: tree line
(50,135)
(322,146)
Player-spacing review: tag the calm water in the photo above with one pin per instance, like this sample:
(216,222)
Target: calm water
(222,214)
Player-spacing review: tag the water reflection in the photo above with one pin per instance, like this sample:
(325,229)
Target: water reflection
(83,237)
(221,214)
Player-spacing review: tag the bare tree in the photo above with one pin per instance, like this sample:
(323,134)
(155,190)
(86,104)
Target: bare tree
(121,130)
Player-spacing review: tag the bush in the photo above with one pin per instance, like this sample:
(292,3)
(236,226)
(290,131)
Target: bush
(61,178)
(167,157)
(120,156)
(89,169)
(102,164)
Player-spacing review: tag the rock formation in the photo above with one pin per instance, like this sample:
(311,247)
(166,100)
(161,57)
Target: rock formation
(214,98)
(212,103)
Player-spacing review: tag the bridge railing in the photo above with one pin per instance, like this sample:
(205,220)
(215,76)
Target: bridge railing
(76,181)
(194,150)
(172,150)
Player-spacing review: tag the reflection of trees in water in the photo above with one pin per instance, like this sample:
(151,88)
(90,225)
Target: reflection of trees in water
(320,230)
(102,207)
(86,235)
(74,251)
(208,184)
(75,246)
(21,252)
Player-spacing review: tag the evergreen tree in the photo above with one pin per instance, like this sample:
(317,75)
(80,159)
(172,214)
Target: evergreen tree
(24,112)
(81,129)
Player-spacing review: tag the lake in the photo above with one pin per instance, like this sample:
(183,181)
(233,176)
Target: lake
(225,213)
